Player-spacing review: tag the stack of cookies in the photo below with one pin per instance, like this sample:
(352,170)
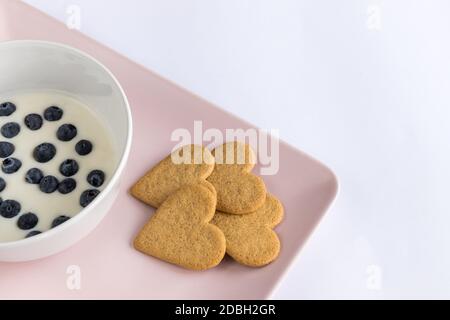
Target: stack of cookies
(208,204)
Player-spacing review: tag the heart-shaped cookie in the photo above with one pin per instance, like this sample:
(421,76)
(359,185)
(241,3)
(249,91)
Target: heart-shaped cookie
(188,165)
(238,190)
(180,231)
(250,238)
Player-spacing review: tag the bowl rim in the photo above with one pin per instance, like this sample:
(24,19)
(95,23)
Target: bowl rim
(123,159)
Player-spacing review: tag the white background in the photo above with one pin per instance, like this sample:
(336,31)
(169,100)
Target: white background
(362,85)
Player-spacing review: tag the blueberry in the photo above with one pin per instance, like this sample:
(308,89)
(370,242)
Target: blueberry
(9,209)
(68,168)
(6,149)
(11,165)
(10,130)
(53,113)
(59,220)
(7,109)
(66,132)
(27,221)
(88,196)
(32,234)
(67,186)
(2,184)
(96,178)
(48,184)
(83,147)
(44,152)
(33,121)
(34,176)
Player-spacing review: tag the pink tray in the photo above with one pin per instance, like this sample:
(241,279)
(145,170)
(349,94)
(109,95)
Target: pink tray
(110,267)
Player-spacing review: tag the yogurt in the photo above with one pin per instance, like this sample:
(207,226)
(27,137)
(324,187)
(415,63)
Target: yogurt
(49,206)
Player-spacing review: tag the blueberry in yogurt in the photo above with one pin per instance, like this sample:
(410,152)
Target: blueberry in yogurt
(67,186)
(96,178)
(59,220)
(44,152)
(88,196)
(66,132)
(6,149)
(11,165)
(34,176)
(51,145)
(48,184)
(68,168)
(10,130)
(2,185)
(33,121)
(53,113)
(32,233)
(7,109)
(9,209)
(27,221)
(83,147)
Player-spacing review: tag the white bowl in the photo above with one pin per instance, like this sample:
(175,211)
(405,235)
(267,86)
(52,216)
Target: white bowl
(40,65)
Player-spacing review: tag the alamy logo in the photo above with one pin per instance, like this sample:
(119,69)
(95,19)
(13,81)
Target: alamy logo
(264,144)
(374,17)
(73,21)
(73,281)
(374,278)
